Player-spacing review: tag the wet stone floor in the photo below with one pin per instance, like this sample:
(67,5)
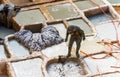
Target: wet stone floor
(99,56)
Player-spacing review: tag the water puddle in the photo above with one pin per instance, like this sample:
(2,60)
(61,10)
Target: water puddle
(66,69)
(18,49)
(62,11)
(28,68)
(61,29)
(114,1)
(95,65)
(29,17)
(82,24)
(86,4)
(95,19)
(5,31)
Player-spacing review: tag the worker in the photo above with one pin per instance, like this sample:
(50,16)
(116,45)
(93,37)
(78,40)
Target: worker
(77,35)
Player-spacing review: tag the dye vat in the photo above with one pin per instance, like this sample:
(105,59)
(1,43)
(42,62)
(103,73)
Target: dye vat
(82,24)
(29,17)
(61,29)
(100,65)
(69,68)
(5,31)
(86,4)
(62,11)
(107,30)
(28,68)
(114,1)
(98,18)
(19,2)
(56,50)
(2,52)
(91,47)
(117,8)
(18,49)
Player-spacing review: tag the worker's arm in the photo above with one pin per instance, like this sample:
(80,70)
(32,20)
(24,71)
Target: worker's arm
(83,35)
(66,36)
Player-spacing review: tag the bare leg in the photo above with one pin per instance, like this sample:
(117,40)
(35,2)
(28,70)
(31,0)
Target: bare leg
(70,46)
(78,42)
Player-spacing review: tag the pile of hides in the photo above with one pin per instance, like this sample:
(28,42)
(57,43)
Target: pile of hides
(37,41)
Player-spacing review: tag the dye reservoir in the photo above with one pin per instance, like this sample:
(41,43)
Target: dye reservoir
(19,2)
(2,52)
(29,17)
(114,1)
(96,64)
(107,30)
(61,29)
(28,68)
(98,18)
(86,4)
(82,24)
(5,31)
(56,50)
(62,11)
(18,49)
(69,68)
